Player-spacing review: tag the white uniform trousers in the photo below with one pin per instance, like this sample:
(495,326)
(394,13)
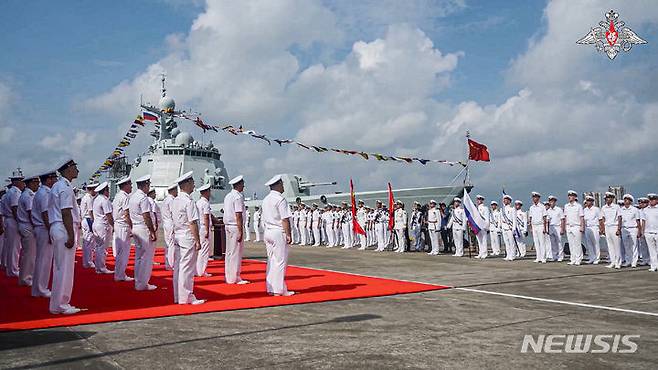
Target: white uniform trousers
(88,243)
(483,247)
(102,240)
(330,236)
(295,234)
(652,244)
(12,247)
(170,243)
(592,243)
(204,252)
(539,240)
(555,250)
(575,238)
(247,233)
(643,250)
(144,251)
(43,263)
(629,241)
(400,240)
(62,268)
(382,241)
(233,257)
(363,239)
(520,243)
(435,240)
(303,235)
(257,232)
(28,254)
(339,234)
(613,242)
(277,261)
(347,235)
(316,235)
(122,243)
(458,239)
(185,256)
(510,247)
(495,242)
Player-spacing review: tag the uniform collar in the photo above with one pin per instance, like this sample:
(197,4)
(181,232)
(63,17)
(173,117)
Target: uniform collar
(184,194)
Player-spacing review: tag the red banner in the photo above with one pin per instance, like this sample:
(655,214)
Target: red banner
(355,223)
(477,151)
(391,211)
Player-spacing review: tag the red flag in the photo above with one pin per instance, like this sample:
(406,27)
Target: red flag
(477,151)
(355,224)
(391,202)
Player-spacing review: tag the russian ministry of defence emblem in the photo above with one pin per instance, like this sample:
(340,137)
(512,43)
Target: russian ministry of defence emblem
(612,36)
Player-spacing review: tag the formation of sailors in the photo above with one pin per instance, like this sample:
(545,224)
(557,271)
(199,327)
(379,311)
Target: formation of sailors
(630,230)
(43,224)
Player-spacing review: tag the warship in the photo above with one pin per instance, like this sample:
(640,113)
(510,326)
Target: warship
(175,151)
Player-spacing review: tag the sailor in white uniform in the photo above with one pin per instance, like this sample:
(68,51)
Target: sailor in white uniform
(122,229)
(143,230)
(555,216)
(611,225)
(508,227)
(630,232)
(276,218)
(156,213)
(315,225)
(247,224)
(258,227)
(337,225)
(592,216)
(643,248)
(400,226)
(458,223)
(26,231)
(495,223)
(186,234)
(168,225)
(521,227)
(328,218)
(434,227)
(481,236)
(12,244)
(205,223)
(650,230)
(64,217)
(86,211)
(381,223)
(234,210)
(102,226)
(3,215)
(415,226)
(295,224)
(44,256)
(537,220)
(574,217)
(345,221)
(309,224)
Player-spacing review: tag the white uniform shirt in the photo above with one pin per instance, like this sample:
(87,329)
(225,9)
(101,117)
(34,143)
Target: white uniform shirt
(233,202)
(100,208)
(257,218)
(327,217)
(592,216)
(302,218)
(138,205)
(651,220)
(521,221)
(496,220)
(401,220)
(610,214)
(457,219)
(629,216)
(156,214)
(119,206)
(40,204)
(184,211)
(486,215)
(361,216)
(275,210)
(508,218)
(13,195)
(555,216)
(62,197)
(204,209)
(86,205)
(165,209)
(4,206)
(572,213)
(433,219)
(25,206)
(247,216)
(315,218)
(536,214)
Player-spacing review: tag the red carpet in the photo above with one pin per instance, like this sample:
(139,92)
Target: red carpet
(107,301)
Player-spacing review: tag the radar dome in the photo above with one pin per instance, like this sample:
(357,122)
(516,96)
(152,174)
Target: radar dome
(184,139)
(167,102)
(175,132)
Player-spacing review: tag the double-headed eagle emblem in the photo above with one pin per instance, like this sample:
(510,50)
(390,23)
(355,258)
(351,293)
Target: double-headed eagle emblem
(612,36)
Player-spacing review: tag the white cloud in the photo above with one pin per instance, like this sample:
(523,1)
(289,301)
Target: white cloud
(7,131)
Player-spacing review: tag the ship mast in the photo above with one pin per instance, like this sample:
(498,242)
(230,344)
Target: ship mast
(467,176)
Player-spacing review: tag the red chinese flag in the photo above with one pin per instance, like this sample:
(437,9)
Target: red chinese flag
(391,202)
(355,224)
(477,151)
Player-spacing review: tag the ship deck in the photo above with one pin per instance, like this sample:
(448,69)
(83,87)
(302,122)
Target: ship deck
(479,323)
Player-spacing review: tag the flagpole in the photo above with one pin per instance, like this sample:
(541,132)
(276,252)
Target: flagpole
(467,179)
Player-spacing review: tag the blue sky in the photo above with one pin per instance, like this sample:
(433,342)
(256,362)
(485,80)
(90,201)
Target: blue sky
(516,65)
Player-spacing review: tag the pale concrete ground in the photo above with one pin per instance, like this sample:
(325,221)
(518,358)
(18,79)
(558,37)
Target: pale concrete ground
(443,329)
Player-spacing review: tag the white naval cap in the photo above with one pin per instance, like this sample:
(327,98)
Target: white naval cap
(432,201)
(609,194)
(589,197)
(48,174)
(494,202)
(552,197)
(102,187)
(379,201)
(204,187)
(479,197)
(172,187)
(518,202)
(144,178)
(273,180)
(641,199)
(507,196)
(628,196)
(457,199)
(546,203)
(536,194)
(65,164)
(123,180)
(652,196)
(151,190)
(572,192)
(236,180)
(92,185)
(31,178)
(186,176)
